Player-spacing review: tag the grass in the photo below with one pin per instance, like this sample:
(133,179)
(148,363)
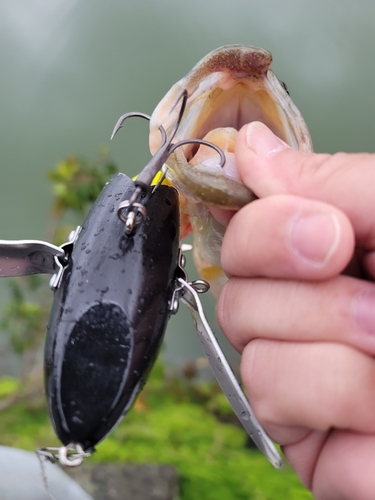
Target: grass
(172,423)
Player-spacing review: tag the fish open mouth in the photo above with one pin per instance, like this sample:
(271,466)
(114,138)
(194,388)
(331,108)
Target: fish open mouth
(229,88)
(250,99)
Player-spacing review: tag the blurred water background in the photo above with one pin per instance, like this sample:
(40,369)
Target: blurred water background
(70,68)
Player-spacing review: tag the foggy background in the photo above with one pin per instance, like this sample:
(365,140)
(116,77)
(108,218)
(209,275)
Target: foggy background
(70,68)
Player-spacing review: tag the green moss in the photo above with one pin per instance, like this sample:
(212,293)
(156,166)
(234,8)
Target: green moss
(8,386)
(169,424)
(210,456)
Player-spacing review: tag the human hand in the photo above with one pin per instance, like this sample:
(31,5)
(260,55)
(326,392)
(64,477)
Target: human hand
(306,331)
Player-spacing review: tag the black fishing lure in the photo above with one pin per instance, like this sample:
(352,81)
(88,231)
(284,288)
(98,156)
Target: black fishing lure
(110,313)
(116,283)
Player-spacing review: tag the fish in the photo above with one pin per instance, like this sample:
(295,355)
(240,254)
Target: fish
(230,87)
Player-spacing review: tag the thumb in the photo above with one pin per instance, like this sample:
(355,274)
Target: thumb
(268,166)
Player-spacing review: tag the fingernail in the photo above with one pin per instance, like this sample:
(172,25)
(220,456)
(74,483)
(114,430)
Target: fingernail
(262,141)
(364,311)
(315,237)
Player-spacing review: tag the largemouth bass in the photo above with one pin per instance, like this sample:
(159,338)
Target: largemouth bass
(227,89)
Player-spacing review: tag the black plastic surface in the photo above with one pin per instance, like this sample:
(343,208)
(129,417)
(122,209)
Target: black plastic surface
(109,315)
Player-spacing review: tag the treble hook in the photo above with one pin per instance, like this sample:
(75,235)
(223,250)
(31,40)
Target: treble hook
(166,148)
(148,173)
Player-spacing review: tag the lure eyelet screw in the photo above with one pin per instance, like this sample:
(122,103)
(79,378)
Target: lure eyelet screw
(131,214)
